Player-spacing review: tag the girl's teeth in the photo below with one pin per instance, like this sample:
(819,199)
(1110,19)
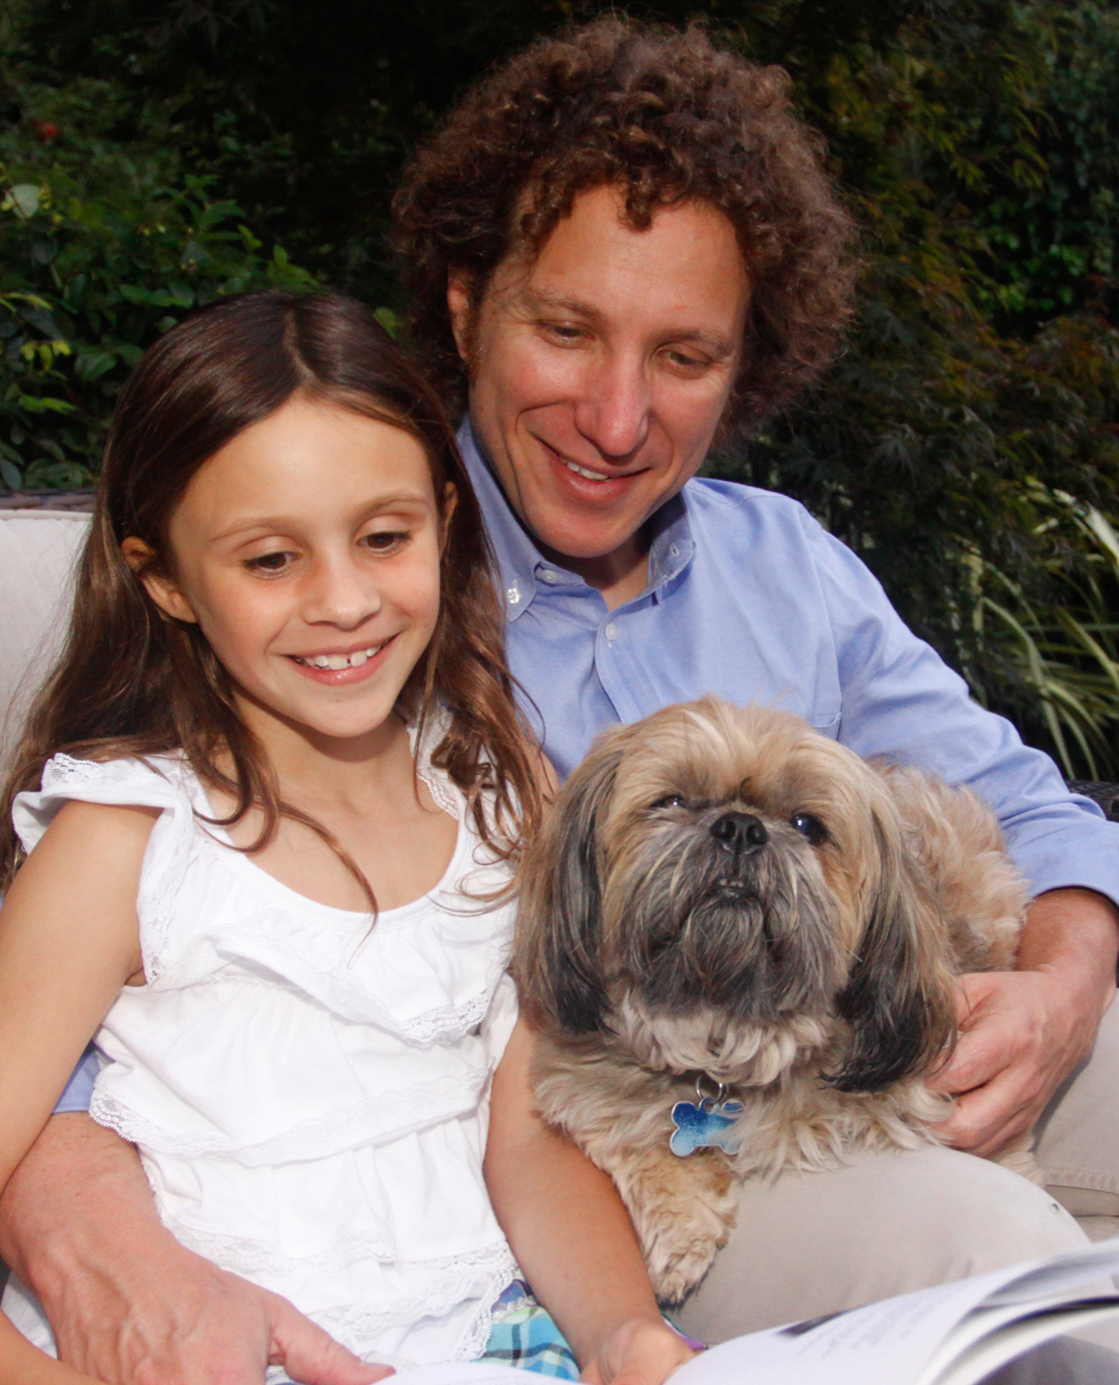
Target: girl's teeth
(340,661)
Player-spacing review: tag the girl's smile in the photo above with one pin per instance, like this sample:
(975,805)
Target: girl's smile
(307,549)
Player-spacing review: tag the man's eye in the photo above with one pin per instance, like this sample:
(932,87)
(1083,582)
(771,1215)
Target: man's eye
(685,360)
(270,562)
(672,800)
(811,827)
(562,331)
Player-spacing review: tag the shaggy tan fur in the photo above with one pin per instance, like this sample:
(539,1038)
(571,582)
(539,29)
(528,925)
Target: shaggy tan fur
(723,893)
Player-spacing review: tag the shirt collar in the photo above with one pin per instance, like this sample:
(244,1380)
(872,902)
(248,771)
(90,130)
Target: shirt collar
(523,568)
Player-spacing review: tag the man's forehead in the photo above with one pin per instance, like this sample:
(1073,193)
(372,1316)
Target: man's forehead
(686,266)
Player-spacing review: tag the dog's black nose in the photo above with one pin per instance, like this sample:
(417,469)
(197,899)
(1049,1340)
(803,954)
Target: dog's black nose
(739,830)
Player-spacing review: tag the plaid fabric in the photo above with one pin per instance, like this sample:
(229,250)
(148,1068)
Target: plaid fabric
(524,1335)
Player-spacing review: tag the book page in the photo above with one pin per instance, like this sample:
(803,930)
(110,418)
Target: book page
(999,1347)
(463,1373)
(913,1339)
(887,1343)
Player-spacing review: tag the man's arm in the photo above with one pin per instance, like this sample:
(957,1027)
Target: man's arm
(128,1304)
(1022,1032)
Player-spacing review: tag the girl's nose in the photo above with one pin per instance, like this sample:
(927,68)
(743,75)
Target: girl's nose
(613,409)
(342,592)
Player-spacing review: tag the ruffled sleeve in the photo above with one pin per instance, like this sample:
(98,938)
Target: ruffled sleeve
(128,783)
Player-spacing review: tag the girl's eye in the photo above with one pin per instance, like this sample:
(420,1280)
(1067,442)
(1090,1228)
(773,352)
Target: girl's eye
(672,800)
(811,827)
(270,562)
(385,540)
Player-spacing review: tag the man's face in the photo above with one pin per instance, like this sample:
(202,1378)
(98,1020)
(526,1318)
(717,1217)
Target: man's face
(599,372)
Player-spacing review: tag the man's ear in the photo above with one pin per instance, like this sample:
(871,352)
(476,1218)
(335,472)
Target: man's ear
(460,305)
(140,558)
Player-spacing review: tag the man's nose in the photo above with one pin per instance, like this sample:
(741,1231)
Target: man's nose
(613,411)
(343,592)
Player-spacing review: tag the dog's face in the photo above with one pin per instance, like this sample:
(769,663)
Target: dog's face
(736,870)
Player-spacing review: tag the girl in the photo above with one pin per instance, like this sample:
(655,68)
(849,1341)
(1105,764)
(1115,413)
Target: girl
(270,797)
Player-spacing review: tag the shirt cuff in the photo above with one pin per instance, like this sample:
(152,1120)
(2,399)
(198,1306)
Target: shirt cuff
(79,1090)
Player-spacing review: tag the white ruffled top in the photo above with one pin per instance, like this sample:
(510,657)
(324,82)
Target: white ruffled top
(310,1093)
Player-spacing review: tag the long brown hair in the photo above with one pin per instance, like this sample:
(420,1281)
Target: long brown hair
(132,682)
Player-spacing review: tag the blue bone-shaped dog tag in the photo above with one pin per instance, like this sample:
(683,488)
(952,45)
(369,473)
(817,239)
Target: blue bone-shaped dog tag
(704,1125)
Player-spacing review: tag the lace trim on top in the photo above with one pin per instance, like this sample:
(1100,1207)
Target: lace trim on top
(444,794)
(374,1120)
(357,1322)
(173,837)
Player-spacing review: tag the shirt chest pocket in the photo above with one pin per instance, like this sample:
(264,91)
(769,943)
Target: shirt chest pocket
(826,722)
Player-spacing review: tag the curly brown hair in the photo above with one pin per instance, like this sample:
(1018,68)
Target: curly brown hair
(664,116)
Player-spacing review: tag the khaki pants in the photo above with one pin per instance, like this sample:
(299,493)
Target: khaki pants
(887,1223)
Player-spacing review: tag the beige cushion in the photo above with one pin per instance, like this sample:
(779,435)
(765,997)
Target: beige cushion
(38,554)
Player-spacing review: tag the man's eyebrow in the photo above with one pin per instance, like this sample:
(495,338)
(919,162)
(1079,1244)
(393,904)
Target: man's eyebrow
(537,301)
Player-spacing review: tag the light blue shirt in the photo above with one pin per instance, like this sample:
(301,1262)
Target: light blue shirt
(750,598)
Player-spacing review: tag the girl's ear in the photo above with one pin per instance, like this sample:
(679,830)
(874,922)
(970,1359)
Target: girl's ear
(140,558)
(450,504)
(460,285)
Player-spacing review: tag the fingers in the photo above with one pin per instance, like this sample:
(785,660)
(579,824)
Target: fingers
(1015,1048)
(990,1118)
(312,1356)
(638,1353)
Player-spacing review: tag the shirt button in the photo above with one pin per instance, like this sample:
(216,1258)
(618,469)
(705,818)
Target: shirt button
(547,575)
(611,631)
(513,594)
(675,551)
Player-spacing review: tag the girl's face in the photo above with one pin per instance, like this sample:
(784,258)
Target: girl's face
(308,551)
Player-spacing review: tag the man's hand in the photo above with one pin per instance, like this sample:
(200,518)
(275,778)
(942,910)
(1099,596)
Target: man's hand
(1022,1032)
(638,1353)
(128,1304)
(212,1329)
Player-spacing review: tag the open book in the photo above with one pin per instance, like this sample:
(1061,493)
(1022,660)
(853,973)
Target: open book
(954,1334)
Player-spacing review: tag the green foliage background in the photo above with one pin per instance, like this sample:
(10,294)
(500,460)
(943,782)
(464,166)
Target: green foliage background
(161,153)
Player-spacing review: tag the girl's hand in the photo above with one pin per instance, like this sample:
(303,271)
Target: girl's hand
(639,1352)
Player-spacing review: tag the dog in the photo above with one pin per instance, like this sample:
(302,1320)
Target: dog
(737,941)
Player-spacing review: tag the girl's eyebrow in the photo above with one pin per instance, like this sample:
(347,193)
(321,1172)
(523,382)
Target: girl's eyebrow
(282,524)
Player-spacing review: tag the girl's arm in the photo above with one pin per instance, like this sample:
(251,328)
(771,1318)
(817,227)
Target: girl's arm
(573,1237)
(69,940)
(128,1303)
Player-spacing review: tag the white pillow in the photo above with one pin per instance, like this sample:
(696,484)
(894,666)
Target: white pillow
(38,554)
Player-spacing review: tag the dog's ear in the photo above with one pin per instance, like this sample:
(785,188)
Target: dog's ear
(898,998)
(559,919)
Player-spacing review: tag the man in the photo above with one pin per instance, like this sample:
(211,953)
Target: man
(629,244)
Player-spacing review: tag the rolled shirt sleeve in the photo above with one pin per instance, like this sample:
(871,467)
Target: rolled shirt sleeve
(901,701)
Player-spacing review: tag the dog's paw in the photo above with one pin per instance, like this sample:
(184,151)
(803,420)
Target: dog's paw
(683,1216)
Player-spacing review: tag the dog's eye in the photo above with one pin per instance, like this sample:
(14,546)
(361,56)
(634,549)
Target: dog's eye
(812,827)
(672,800)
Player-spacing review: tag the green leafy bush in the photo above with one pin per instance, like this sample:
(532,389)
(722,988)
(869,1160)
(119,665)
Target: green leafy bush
(102,248)
(958,445)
